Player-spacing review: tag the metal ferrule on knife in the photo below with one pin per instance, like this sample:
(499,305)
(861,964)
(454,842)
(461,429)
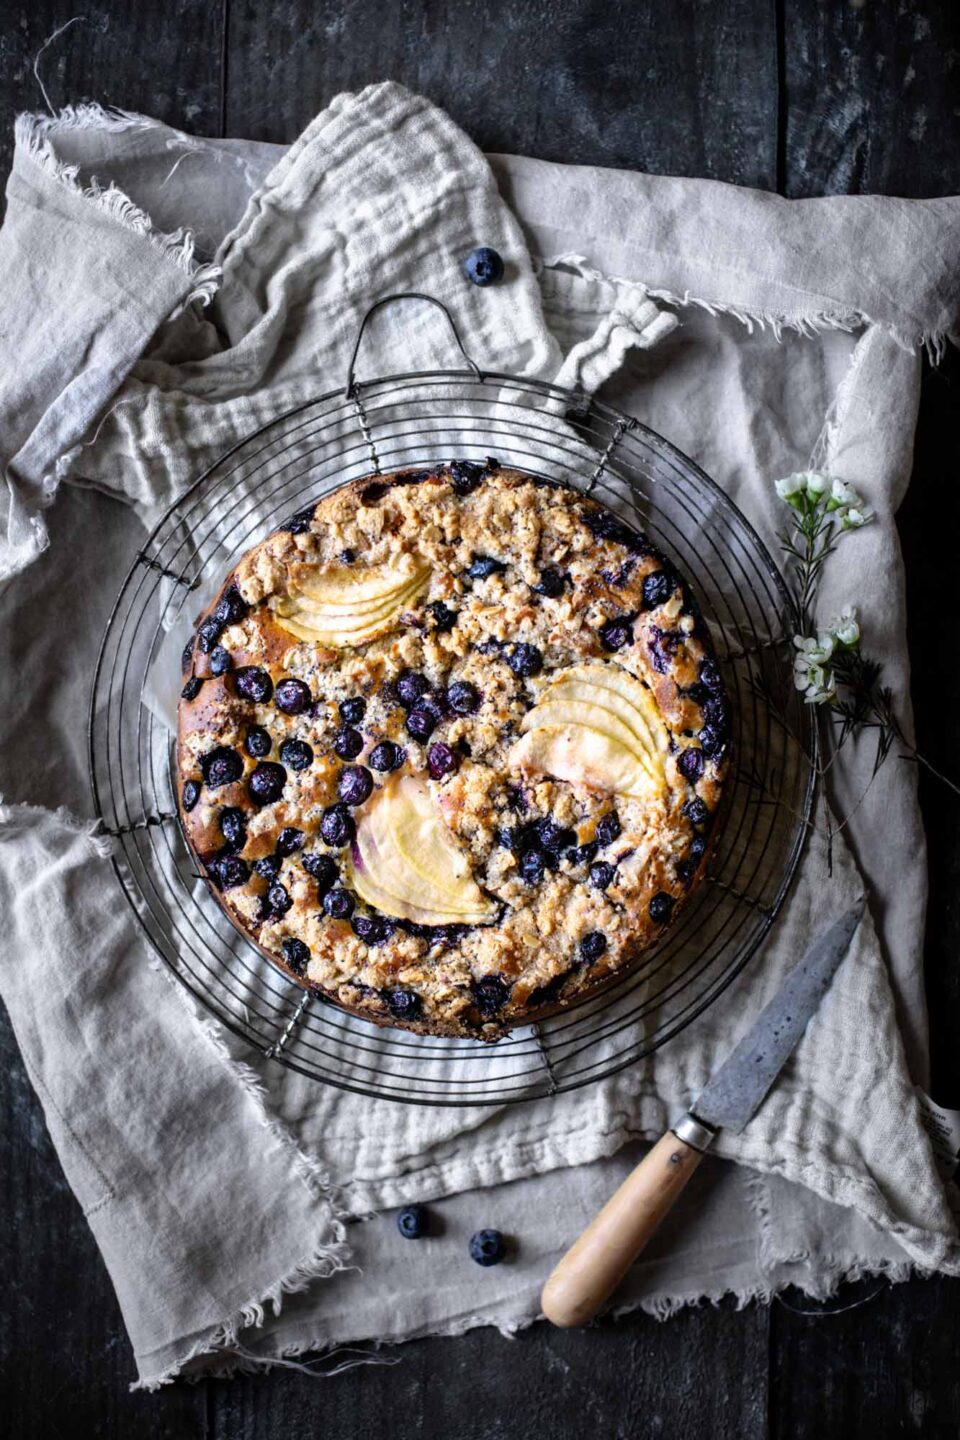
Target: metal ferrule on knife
(693,1132)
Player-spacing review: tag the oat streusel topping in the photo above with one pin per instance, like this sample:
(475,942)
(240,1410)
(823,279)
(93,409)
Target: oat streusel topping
(451,743)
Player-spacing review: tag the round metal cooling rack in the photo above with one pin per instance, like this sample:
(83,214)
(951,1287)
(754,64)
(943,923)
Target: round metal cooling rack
(402,421)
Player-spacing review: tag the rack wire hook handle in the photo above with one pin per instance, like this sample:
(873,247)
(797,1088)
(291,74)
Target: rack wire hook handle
(351,386)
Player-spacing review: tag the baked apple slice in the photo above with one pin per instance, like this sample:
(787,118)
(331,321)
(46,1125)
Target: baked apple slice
(406,865)
(596,725)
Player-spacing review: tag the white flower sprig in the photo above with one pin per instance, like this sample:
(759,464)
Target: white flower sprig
(818,657)
(823,508)
(829,667)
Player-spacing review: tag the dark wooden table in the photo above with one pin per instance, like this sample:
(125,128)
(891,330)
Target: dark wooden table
(804,98)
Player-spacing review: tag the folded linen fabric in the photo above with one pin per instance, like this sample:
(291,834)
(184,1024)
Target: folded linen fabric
(732,322)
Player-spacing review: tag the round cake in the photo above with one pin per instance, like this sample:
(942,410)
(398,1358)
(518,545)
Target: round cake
(451,743)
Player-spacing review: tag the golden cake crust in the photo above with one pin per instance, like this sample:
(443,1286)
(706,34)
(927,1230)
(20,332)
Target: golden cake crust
(525,595)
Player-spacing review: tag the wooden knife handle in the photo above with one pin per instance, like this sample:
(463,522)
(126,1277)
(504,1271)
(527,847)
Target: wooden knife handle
(596,1263)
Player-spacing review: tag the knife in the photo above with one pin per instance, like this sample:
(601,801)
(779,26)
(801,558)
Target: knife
(594,1266)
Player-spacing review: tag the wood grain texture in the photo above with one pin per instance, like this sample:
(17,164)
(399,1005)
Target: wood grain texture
(808,97)
(602,82)
(870,98)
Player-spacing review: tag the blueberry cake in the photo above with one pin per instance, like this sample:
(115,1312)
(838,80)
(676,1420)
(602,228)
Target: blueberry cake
(451,743)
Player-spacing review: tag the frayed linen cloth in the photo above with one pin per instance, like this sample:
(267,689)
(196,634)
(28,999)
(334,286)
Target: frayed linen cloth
(164,295)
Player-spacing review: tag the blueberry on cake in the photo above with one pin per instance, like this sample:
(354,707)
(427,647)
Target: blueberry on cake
(451,742)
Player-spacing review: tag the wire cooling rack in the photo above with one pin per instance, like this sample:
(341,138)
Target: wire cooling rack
(410,420)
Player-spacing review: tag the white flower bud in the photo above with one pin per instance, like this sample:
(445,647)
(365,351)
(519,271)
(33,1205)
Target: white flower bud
(816,484)
(856,516)
(845,628)
(842,496)
(792,490)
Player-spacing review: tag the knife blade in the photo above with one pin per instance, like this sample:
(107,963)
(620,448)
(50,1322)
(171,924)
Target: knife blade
(737,1090)
(594,1265)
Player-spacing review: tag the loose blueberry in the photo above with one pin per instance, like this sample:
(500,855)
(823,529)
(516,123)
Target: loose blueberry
(490,994)
(463,698)
(711,740)
(657,588)
(278,898)
(690,764)
(221,766)
(371,929)
(299,523)
(267,782)
(268,866)
(353,710)
(412,1222)
(192,688)
(525,661)
(208,635)
(696,810)
(465,476)
(483,266)
(233,826)
(293,697)
(552,583)
(661,907)
(220,661)
(592,946)
(296,754)
(421,723)
(336,827)
(323,869)
(487,1247)
(481,566)
(289,841)
(254,684)
(296,954)
(608,828)
(601,874)
(532,866)
(231,607)
(354,785)
(410,686)
(191,794)
(347,743)
(615,634)
(403,1004)
(257,742)
(385,756)
(444,618)
(231,871)
(441,761)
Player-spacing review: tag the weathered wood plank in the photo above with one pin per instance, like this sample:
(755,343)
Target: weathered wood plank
(888,1368)
(703,1372)
(162,59)
(871,98)
(613,84)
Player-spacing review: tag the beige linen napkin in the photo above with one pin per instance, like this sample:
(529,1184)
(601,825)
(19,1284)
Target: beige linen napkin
(732,322)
